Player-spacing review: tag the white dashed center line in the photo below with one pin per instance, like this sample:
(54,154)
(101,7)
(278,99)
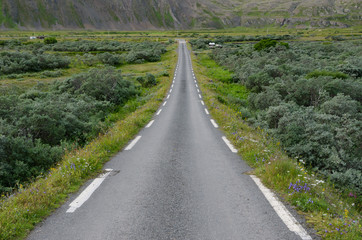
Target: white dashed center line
(150,124)
(133,143)
(85,195)
(214,123)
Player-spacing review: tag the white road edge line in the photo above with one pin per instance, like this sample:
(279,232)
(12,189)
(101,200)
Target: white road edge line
(168,96)
(164,104)
(202,102)
(133,143)
(150,124)
(198,90)
(171,91)
(158,113)
(197,85)
(200,96)
(207,112)
(282,211)
(232,148)
(214,123)
(85,195)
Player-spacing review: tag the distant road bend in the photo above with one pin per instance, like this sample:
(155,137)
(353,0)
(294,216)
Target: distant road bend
(178,179)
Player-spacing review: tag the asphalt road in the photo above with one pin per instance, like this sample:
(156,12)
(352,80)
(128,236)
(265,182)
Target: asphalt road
(179,181)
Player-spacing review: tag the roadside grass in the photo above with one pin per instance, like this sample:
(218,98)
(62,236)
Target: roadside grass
(330,211)
(32,203)
(214,70)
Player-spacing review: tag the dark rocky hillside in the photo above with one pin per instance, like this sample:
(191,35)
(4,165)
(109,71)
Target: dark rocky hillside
(175,14)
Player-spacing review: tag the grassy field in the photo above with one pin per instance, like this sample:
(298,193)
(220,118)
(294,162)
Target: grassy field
(331,212)
(305,34)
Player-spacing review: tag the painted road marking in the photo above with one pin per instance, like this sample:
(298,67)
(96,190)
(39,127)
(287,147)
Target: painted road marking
(198,90)
(85,195)
(202,102)
(150,124)
(282,211)
(172,86)
(171,91)
(158,113)
(200,96)
(133,143)
(207,112)
(214,123)
(197,85)
(164,104)
(168,96)
(232,148)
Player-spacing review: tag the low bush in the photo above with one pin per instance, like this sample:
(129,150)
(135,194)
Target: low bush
(22,62)
(21,159)
(265,44)
(50,40)
(104,85)
(109,59)
(148,81)
(316,74)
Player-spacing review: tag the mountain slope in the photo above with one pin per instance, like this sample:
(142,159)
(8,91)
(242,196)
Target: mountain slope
(171,14)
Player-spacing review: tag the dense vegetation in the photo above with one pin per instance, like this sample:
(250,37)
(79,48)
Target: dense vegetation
(21,62)
(37,125)
(307,95)
(108,52)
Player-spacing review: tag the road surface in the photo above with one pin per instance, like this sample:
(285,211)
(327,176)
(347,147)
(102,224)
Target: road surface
(177,180)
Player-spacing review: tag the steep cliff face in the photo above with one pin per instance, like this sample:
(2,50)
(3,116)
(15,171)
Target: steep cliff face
(173,14)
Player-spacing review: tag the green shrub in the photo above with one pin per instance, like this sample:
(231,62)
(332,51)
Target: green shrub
(265,99)
(102,84)
(317,73)
(50,40)
(340,105)
(150,80)
(22,62)
(265,44)
(147,81)
(109,59)
(21,159)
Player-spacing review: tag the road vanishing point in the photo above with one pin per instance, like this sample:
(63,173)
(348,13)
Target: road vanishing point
(180,178)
